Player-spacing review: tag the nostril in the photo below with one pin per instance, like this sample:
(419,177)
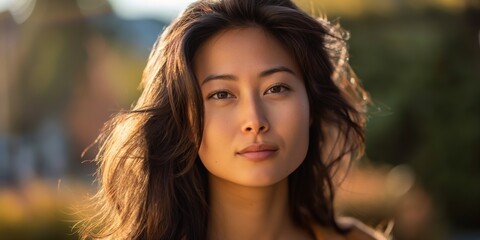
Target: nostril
(255,129)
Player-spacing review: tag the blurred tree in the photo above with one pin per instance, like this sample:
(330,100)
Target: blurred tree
(422,70)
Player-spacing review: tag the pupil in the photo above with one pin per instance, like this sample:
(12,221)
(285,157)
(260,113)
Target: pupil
(222,95)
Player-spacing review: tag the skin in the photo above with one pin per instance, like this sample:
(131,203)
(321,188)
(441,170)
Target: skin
(253,94)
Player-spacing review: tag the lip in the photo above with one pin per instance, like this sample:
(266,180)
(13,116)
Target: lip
(258,151)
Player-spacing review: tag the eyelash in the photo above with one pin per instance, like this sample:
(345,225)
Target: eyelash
(281,85)
(213,94)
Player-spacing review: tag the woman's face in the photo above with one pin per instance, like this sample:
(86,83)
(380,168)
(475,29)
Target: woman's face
(256,108)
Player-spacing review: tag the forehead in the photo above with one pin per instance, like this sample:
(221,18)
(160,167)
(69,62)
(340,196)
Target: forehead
(240,50)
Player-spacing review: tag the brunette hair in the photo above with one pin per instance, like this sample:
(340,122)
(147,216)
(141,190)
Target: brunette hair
(152,182)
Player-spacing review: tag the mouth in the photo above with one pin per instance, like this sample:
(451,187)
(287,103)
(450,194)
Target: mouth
(258,152)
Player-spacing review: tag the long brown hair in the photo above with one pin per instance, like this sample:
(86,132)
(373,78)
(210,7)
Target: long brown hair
(152,183)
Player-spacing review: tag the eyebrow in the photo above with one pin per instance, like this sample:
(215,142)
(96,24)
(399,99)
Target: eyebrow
(263,74)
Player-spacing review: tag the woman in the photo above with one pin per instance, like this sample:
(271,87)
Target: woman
(248,107)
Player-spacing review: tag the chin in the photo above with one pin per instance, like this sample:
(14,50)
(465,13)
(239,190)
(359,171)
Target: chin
(261,179)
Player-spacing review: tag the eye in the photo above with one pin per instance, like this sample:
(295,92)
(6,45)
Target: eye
(219,95)
(277,89)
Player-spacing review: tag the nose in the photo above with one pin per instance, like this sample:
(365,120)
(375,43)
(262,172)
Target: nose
(254,117)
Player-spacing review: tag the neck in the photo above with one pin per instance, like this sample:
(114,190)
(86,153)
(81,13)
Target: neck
(240,212)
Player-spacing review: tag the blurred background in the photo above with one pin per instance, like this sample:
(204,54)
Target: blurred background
(67,65)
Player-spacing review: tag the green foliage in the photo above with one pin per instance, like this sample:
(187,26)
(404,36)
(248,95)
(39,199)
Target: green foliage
(422,69)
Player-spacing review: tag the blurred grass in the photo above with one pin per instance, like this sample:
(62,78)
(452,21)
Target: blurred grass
(38,210)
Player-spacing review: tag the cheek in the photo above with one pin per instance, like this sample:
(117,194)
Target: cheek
(295,127)
(216,134)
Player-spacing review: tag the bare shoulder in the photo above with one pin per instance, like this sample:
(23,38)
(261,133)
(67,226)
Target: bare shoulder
(357,231)
(360,231)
